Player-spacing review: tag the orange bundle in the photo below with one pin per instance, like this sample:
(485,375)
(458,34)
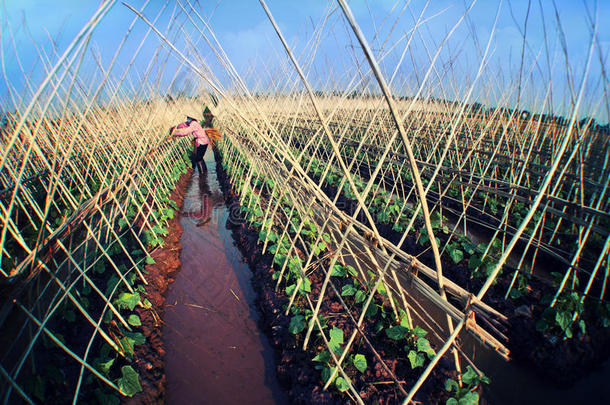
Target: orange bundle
(214,135)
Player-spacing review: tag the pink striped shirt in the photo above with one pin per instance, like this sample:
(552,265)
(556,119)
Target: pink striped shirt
(194,128)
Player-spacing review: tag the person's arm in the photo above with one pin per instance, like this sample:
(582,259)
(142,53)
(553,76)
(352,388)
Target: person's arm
(183,130)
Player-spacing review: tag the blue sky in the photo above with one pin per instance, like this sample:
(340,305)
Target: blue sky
(248,38)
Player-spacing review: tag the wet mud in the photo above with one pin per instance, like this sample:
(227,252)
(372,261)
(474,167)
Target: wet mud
(216,353)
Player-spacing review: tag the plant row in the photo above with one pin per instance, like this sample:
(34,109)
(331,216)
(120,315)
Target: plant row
(291,237)
(110,289)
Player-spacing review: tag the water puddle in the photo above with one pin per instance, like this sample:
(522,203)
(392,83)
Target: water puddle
(216,353)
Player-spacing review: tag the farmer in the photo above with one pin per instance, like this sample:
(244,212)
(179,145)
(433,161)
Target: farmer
(200,141)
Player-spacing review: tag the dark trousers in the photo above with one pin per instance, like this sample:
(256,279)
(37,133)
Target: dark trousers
(198,158)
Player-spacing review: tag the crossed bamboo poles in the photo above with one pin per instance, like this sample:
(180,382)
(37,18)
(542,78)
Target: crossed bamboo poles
(61,152)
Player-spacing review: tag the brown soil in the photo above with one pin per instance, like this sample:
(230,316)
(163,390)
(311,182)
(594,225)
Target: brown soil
(149,357)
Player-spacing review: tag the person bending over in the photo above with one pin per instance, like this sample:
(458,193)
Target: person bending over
(200,141)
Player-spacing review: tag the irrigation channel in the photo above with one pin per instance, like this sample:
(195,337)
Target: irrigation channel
(216,353)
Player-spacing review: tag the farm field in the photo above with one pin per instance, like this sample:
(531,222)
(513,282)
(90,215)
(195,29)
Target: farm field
(397,211)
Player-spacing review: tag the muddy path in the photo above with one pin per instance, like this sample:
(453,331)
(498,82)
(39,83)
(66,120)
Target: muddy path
(215,352)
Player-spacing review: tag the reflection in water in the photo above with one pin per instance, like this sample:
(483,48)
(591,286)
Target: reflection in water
(215,351)
(202,208)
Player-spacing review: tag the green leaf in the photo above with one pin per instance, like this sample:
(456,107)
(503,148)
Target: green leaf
(319,248)
(169,212)
(134,320)
(104,367)
(348,290)
(136,338)
(86,289)
(326,373)
(423,345)
(336,339)
(371,311)
(474,262)
(279,259)
(150,260)
(396,332)
(341,384)
(451,385)
(360,362)
(127,300)
(467,245)
(456,255)
(128,346)
(581,324)
(484,379)
(146,304)
(416,359)
(322,357)
(489,267)
(470,377)
(563,319)
(360,296)
(111,284)
(471,398)
(297,324)
(305,285)
(272,248)
(404,319)
(290,289)
(381,290)
(129,383)
(338,271)
(131,277)
(419,332)
(451,401)
(99,267)
(336,334)
(398,227)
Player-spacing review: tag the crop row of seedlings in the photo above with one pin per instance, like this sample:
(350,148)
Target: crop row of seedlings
(469,264)
(79,237)
(573,243)
(484,196)
(375,325)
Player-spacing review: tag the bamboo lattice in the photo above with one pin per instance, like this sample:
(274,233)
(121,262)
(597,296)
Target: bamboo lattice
(502,191)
